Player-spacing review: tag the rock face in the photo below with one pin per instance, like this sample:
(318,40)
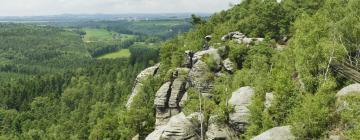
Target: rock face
(179,127)
(169,96)
(218,131)
(240,99)
(151,71)
(211,53)
(199,77)
(351,89)
(276,133)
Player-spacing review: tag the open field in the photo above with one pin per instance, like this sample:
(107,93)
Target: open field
(123,53)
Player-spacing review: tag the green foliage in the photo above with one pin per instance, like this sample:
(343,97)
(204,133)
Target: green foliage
(312,117)
(349,116)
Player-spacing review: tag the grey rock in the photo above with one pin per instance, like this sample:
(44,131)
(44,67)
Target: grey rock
(143,75)
(269,97)
(212,53)
(228,65)
(200,77)
(240,99)
(341,103)
(219,131)
(276,133)
(162,95)
(232,35)
(177,91)
(162,116)
(351,89)
(179,127)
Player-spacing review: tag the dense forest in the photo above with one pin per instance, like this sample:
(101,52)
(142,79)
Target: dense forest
(302,39)
(53,87)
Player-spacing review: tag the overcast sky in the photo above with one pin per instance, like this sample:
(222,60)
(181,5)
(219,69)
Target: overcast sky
(54,7)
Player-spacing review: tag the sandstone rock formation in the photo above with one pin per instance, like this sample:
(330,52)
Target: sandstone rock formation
(276,133)
(200,77)
(240,38)
(151,71)
(240,99)
(219,131)
(179,127)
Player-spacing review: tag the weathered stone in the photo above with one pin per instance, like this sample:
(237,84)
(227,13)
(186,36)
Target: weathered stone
(143,75)
(228,65)
(240,99)
(232,35)
(211,53)
(351,89)
(269,97)
(200,77)
(162,95)
(162,116)
(179,127)
(156,134)
(341,103)
(218,131)
(276,133)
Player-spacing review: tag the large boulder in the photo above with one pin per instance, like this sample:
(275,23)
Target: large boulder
(351,89)
(240,100)
(276,133)
(143,75)
(211,53)
(219,131)
(200,77)
(179,127)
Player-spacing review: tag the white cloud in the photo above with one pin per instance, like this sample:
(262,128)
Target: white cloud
(53,7)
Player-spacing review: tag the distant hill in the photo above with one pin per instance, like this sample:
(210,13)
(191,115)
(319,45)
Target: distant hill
(35,49)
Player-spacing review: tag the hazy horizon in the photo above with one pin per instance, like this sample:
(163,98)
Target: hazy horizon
(84,7)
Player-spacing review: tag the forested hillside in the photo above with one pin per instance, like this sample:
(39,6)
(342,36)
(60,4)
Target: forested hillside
(261,70)
(268,64)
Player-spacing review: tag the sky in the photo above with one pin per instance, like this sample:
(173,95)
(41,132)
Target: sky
(56,7)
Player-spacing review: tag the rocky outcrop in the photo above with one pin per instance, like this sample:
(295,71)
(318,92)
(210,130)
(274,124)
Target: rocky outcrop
(187,61)
(240,38)
(276,133)
(179,127)
(219,131)
(200,77)
(169,96)
(151,71)
(240,100)
(211,53)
